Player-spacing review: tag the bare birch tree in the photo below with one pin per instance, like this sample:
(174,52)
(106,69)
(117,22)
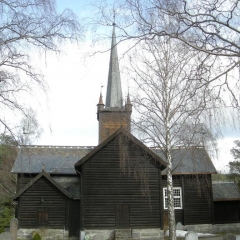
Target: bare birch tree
(29,129)
(27,26)
(27,132)
(210,27)
(172,108)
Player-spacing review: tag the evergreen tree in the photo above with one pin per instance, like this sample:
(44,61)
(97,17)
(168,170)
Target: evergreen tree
(235,165)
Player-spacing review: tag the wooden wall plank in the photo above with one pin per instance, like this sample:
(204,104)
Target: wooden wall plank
(105,186)
(30,203)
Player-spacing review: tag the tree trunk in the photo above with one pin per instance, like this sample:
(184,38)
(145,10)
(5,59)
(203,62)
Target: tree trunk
(171,215)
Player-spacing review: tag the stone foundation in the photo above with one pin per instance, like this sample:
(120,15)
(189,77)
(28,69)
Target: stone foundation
(216,228)
(46,234)
(98,234)
(147,234)
(136,234)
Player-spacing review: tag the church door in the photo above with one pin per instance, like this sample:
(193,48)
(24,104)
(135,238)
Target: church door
(122,216)
(42,217)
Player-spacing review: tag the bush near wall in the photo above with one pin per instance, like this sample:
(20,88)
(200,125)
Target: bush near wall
(6,214)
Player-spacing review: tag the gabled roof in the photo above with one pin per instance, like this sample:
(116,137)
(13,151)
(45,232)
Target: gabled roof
(61,159)
(158,161)
(48,177)
(56,159)
(225,191)
(191,160)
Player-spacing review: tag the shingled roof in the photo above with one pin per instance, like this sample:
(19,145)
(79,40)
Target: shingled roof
(56,159)
(193,160)
(61,160)
(225,191)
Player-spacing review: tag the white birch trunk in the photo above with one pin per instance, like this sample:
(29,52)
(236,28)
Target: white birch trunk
(171,215)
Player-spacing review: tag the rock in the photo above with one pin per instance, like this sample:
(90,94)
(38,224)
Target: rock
(13,228)
(179,226)
(191,236)
(5,236)
(229,236)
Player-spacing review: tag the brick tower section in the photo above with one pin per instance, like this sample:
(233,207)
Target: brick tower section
(113,115)
(110,120)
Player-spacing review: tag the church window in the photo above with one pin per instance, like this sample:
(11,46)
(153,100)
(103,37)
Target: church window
(177,196)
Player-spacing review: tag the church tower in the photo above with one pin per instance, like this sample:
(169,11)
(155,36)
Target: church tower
(113,114)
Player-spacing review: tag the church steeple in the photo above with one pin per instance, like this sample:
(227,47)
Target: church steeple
(128,105)
(114,115)
(114,89)
(100,105)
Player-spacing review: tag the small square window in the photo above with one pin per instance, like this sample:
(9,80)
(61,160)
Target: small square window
(177,195)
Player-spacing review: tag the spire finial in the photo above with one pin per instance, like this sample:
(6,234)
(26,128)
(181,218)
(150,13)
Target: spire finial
(100,102)
(114,17)
(128,99)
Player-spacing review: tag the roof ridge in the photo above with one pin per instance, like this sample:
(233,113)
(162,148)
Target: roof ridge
(55,146)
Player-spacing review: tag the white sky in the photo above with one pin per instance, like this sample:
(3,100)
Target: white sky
(68,114)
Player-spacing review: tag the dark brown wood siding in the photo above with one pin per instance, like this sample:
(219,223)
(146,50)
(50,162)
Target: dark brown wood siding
(198,205)
(105,190)
(196,199)
(74,218)
(24,179)
(226,212)
(42,204)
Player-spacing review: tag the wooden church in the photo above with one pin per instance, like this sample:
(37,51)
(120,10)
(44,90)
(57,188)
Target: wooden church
(119,184)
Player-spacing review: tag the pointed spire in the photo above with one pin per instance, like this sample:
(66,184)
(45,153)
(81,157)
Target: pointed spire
(128,99)
(100,105)
(114,89)
(100,99)
(128,105)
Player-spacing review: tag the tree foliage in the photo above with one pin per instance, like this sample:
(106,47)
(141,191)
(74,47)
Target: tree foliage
(27,26)
(8,154)
(27,132)
(29,129)
(235,165)
(36,237)
(6,214)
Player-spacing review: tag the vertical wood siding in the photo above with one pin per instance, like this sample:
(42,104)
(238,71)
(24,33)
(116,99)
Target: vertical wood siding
(74,218)
(105,186)
(226,212)
(198,200)
(30,203)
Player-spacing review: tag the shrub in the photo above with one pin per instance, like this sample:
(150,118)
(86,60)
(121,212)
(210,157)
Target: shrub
(6,214)
(37,237)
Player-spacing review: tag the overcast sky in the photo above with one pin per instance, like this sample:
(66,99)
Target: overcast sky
(68,113)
